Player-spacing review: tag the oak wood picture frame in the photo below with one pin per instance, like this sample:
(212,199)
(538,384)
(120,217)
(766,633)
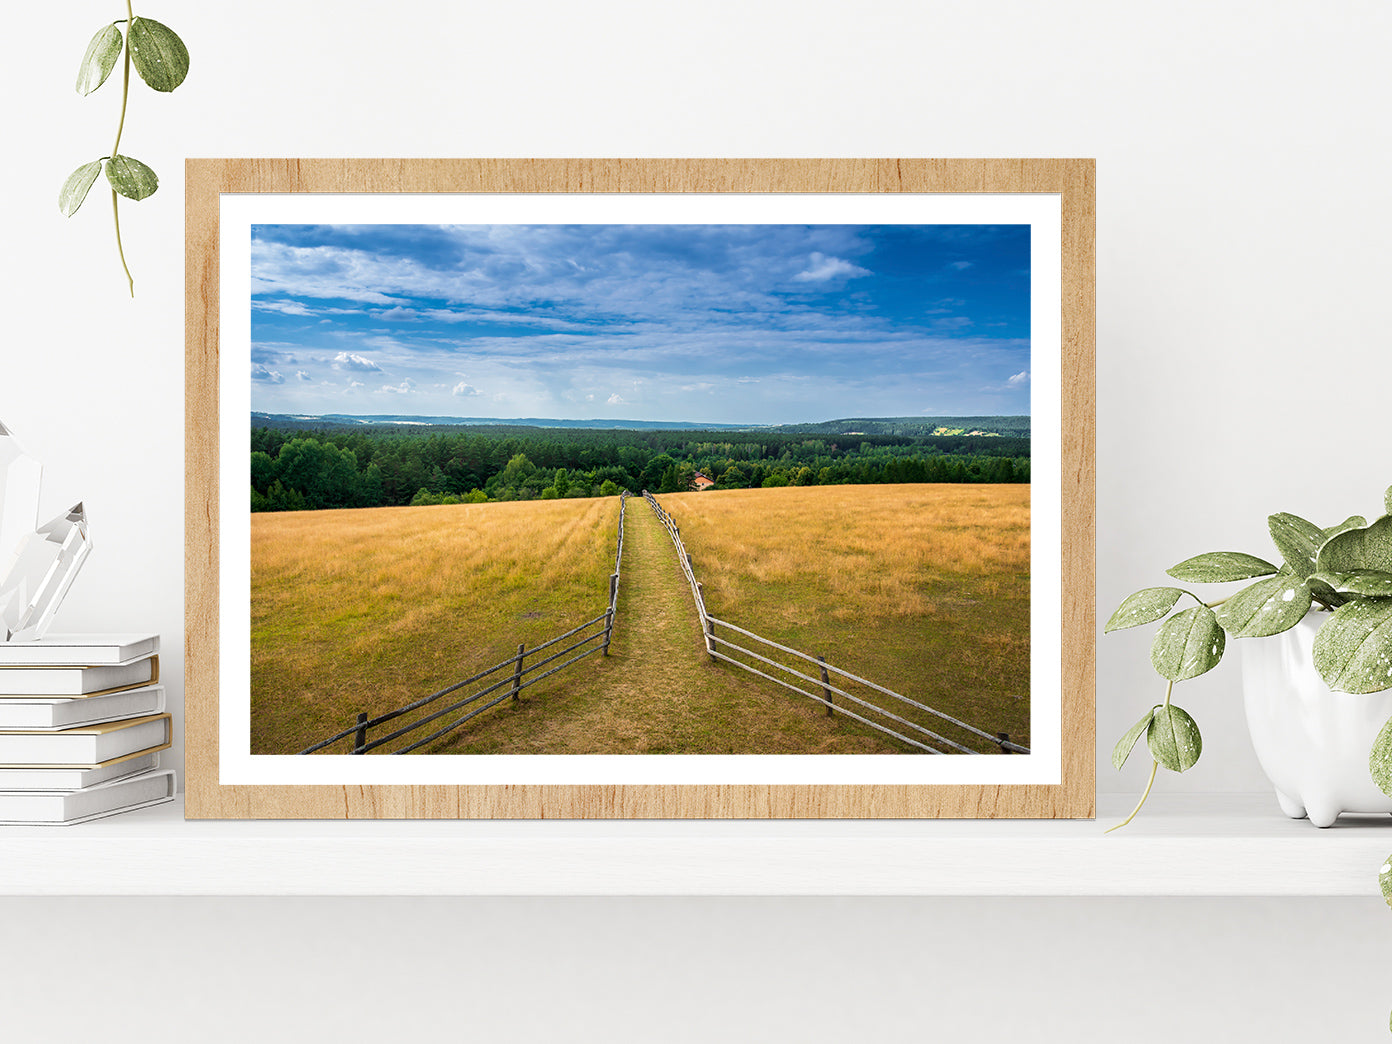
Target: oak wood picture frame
(1072,180)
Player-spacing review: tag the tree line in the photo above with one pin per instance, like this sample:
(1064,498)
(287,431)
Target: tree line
(293,470)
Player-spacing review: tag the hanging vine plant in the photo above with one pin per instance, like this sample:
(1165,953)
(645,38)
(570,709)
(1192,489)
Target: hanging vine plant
(162,61)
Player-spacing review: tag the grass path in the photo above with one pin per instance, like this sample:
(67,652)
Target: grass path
(658,692)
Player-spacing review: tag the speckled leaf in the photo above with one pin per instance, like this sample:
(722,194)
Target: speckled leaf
(1366,548)
(1187,644)
(1385,878)
(1352,522)
(1122,750)
(1267,607)
(1353,650)
(1380,765)
(158,54)
(1297,540)
(130,177)
(1218,567)
(1367,583)
(1143,607)
(100,59)
(1387,500)
(1322,592)
(75,189)
(1173,738)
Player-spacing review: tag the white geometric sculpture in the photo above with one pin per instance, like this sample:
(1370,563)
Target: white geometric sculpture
(19,495)
(40,574)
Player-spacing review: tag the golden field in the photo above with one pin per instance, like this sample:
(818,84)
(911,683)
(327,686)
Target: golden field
(921,588)
(367,610)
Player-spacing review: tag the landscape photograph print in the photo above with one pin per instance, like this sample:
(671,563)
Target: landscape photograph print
(644,489)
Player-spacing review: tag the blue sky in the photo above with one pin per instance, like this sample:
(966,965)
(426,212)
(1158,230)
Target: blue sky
(760,324)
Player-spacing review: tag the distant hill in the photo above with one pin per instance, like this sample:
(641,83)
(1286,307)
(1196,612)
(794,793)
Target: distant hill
(295,421)
(911,427)
(917,427)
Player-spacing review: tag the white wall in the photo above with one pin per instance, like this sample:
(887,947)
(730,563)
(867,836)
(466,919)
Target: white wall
(1241,266)
(1242,226)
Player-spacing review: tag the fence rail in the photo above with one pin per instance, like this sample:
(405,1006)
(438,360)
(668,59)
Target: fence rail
(823,691)
(511,685)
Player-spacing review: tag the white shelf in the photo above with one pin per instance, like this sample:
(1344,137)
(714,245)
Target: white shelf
(1196,845)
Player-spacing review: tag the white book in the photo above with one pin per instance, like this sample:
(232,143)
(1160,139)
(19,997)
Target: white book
(60,778)
(77,681)
(88,745)
(45,713)
(78,650)
(63,808)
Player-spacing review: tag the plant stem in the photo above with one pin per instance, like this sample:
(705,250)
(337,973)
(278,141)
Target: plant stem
(1154,767)
(116,215)
(115,149)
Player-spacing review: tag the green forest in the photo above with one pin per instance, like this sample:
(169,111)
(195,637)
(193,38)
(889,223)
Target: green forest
(372,466)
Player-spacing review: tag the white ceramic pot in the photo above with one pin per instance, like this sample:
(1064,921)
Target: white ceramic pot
(1312,742)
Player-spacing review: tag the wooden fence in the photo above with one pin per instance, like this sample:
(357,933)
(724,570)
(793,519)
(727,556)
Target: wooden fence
(507,688)
(820,688)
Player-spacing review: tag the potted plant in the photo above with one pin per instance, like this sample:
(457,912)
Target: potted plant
(1326,610)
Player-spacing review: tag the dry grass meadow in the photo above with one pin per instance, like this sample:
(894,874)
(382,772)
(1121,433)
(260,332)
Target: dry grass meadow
(921,588)
(367,610)
(924,589)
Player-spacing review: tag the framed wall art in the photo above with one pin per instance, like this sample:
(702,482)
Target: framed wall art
(640,488)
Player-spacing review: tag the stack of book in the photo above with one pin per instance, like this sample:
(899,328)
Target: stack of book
(82,723)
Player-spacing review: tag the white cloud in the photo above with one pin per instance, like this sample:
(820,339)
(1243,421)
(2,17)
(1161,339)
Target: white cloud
(283,307)
(265,374)
(352,361)
(617,400)
(823,268)
(398,313)
(961,266)
(465,389)
(404,388)
(301,375)
(1018,379)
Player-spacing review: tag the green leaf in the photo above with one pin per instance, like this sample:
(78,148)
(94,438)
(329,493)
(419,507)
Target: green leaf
(160,57)
(1219,567)
(1321,589)
(1380,764)
(1143,607)
(1367,548)
(1352,522)
(1173,738)
(130,177)
(1122,750)
(1353,650)
(1187,644)
(1387,500)
(1366,583)
(1297,540)
(99,60)
(1267,607)
(1385,880)
(75,189)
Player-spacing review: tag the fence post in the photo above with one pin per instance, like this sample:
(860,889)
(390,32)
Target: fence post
(710,636)
(360,738)
(517,672)
(825,682)
(1003,738)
